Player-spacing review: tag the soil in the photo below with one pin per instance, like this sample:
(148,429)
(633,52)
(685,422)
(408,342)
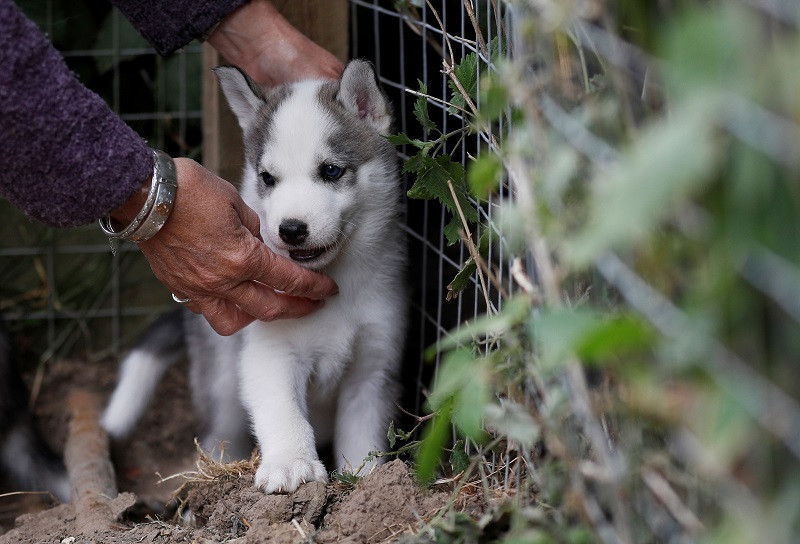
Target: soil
(383,507)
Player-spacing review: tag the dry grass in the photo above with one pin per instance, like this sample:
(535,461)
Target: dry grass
(209,470)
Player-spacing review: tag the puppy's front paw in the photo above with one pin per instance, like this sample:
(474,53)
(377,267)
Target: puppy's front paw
(287,475)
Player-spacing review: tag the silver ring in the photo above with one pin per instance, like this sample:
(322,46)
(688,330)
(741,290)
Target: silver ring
(180,300)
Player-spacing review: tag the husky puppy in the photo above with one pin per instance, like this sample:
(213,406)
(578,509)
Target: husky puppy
(324,182)
(25,458)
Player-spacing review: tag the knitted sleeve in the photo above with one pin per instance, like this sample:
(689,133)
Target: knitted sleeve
(171,24)
(67,158)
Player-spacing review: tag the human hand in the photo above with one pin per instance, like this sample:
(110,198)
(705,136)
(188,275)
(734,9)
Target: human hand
(210,252)
(259,40)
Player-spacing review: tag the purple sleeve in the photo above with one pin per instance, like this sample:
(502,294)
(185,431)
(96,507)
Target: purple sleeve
(67,158)
(171,24)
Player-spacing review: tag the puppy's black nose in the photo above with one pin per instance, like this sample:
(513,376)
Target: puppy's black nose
(293,231)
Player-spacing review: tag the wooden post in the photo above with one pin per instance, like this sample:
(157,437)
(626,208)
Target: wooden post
(86,456)
(324,21)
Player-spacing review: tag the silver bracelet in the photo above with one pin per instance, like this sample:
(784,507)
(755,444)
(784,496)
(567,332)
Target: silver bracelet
(156,207)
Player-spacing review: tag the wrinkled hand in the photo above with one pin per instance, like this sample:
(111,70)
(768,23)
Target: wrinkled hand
(259,40)
(211,252)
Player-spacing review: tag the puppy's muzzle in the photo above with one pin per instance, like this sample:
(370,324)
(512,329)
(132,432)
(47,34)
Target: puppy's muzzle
(293,231)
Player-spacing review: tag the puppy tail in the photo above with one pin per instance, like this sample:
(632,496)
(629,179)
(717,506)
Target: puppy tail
(30,463)
(161,345)
(25,457)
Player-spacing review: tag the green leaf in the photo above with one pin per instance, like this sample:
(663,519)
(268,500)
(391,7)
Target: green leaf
(463,383)
(461,280)
(467,74)
(471,401)
(617,335)
(560,331)
(559,171)
(434,438)
(459,460)
(432,183)
(418,162)
(494,99)
(453,373)
(452,230)
(514,312)
(513,421)
(713,49)
(483,174)
(394,434)
(589,335)
(345,477)
(580,535)
(421,110)
(668,163)
(497,49)
(432,177)
(399,139)
(402,139)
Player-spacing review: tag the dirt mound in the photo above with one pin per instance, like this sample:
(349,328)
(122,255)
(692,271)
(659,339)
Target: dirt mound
(382,507)
(385,504)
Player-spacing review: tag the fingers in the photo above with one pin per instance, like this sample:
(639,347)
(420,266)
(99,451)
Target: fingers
(223,316)
(278,272)
(263,303)
(255,301)
(211,252)
(282,274)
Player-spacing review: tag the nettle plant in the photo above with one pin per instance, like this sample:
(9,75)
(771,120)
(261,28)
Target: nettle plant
(640,384)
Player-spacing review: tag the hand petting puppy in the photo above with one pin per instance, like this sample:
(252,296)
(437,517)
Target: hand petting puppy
(220,263)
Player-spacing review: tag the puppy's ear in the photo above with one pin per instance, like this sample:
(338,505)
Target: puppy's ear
(244,95)
(360,94)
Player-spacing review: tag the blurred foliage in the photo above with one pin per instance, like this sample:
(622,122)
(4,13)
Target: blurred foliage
(653,154)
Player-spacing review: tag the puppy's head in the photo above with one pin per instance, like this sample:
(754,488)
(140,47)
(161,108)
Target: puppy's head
(311,151)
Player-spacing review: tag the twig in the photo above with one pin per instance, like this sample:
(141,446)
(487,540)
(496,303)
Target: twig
(448,69)
(672,502)
(15,493)
(476,27)
(411,14)
(419,419)
(444,32)
(435,99)
(524,282)
(499,16)
(299,529)
(473,251)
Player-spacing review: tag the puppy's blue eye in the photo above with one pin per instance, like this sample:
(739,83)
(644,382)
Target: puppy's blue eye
(331,172)
(267,178)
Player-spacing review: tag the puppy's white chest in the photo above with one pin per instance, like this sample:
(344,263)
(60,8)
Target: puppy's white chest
(323,342)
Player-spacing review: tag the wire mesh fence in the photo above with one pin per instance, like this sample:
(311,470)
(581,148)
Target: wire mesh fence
(411,43)
(647,392)
(64,292)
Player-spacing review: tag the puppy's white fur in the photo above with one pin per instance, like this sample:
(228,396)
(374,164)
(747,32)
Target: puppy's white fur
(331,373)
(329,376)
